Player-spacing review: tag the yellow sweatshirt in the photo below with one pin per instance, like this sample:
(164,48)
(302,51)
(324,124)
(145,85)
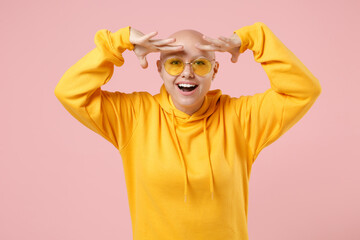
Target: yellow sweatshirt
(187,177)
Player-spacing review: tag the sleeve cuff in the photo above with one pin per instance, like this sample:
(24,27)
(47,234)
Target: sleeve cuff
(121,39)
(248,35)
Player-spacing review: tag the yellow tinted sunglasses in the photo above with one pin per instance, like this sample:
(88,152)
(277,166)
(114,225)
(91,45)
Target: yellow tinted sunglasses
(175,65)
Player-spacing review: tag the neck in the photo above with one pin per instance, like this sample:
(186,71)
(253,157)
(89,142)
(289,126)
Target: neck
(190,110)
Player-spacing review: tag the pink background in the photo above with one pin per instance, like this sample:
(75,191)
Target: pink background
(59,180)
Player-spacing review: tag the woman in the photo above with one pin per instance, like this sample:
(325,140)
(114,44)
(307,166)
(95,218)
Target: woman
(188,143)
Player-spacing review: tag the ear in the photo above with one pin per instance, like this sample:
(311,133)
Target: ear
(158,64)
(216,69)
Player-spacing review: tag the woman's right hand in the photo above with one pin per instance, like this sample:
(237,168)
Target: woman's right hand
(143,45)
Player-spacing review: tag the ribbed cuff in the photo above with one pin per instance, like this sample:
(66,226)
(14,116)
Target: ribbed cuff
(248,35)
(121,39)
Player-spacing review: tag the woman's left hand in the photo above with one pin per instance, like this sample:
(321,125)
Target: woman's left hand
(222,44)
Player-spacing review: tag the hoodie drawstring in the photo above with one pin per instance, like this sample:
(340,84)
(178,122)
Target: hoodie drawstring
(183,161)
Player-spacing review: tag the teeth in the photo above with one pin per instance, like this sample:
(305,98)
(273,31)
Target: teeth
(186,85)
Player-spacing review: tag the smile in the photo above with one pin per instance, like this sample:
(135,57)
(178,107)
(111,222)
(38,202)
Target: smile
(187,89)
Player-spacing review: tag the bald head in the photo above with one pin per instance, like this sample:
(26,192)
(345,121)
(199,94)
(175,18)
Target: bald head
(188,38)
(187,33)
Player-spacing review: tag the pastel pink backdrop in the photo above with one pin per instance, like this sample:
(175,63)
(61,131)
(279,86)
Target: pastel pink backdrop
(61,181)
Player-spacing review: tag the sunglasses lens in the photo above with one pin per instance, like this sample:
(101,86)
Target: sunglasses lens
(175,66)
(201,66)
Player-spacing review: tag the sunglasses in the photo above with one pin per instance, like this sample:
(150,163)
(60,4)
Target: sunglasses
(175,66)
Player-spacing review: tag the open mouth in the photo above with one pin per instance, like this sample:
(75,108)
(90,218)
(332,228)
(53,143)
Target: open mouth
(186,87)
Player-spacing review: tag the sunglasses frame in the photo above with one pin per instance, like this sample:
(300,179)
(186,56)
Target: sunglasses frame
(164,60)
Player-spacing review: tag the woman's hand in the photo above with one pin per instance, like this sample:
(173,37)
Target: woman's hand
(143,45)
(222,44)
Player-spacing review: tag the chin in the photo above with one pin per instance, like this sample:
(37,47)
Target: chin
(189,100)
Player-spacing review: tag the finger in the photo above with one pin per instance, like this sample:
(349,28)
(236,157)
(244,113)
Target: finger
(143,62)
(208,47)
(159,42)
(162,40)
(150,35)
(214,41)
(225,39)
(234,58)
(230,42)
(225,44)
(170,48)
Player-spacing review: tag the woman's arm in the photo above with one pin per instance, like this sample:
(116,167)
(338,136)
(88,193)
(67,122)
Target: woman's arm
(264,117)
(111,114)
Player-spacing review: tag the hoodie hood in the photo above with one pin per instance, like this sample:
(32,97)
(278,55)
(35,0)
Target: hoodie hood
(178,117)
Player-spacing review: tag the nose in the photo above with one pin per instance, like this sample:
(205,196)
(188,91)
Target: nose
(188,71)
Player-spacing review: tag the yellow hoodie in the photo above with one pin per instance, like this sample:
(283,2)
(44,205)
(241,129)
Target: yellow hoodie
(204,159)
